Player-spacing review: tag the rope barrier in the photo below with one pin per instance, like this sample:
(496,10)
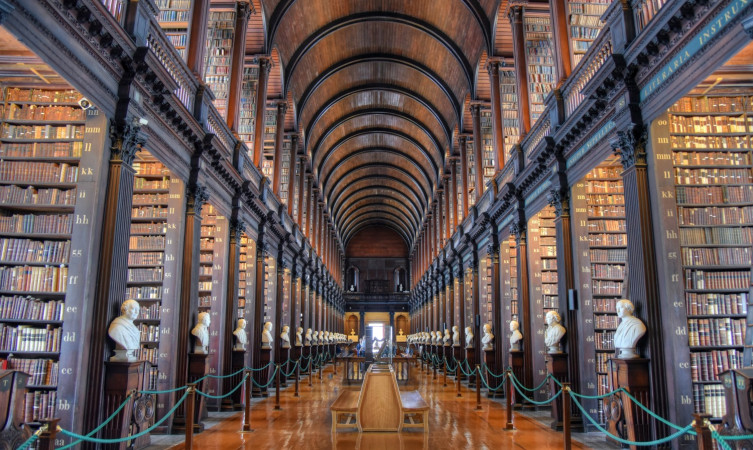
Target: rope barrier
(166,391)
(102,425)
(220,376)
(730,438)
(292,371)
(625,441)
(530,400)
(501,385)
(652,414)
(258,370)
(127,438)
(529,389)
(502,375)
(271,380)
(33,438)
(598,397)
(224,395)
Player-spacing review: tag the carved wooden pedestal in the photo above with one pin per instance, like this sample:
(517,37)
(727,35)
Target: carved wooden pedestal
(632,374)
(459,354)
(516,362)
(235,401)
(494,382)
(305,359)
(295,355)
(556,364)
(121,378)
(470,354)
(282,360)
(262,376)
(12,393)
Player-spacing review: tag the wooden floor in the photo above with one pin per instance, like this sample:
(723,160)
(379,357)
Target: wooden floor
(304,424)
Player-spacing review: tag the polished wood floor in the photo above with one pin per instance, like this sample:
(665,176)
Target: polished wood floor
(304,423)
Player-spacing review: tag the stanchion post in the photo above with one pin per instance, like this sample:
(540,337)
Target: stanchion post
(311,370)
(320,369)
(247,405)
(434,366)
(47,437)
(334,364)
(277,388)
(509,425)
(297,376)
(457,378)
(190,406)
(478,387)
(703,439)
(566,414)
(444,369)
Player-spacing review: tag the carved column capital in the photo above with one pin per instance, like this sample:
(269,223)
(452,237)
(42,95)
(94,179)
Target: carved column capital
(560,201)
(197,196)
(125,139)
(236,228)
(630,145)
(265,63)
(518,229)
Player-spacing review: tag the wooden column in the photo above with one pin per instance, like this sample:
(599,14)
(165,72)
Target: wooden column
(291,173)
(282,107)
(197,37)
(478,154)
(231,296)
(560,36)
(301,191)
(454,182)
(242,13)
(463,176)
(524,298)
(314,219)
(497,323)
(448,191)
(476,287)
(497,129)
(265,64)
(112,273)
(310,207)
(521,67)
(256,327)
(280,356)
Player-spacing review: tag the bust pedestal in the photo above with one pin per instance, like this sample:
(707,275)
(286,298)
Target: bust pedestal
(516,362)
(295,355)
(282,360)
(490,359)
(305,359)
(632,374)
(556,364)
(120,379)
(235,401)
(470,354)
(198,366)
(262,376)
(459,354)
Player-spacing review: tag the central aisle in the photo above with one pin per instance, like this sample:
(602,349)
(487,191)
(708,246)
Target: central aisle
(305,423)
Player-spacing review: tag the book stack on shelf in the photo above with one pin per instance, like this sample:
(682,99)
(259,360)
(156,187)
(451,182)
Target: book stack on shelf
(585,24)
(206,257)
(41,142)
(487,145)
(710,138)
(270,282)
(467,300)
(645,10)
(485,297)
(471,167)
(295,173)
(287,146)
(247,118)
(513,252)
(173,18)
(218,57)
(540,59)
(246,273)
(509,98)
(270,126)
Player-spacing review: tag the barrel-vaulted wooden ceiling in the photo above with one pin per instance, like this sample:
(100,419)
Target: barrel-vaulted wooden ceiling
(379,90)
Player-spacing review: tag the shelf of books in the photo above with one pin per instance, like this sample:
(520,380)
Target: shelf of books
(471,166)
(212,279)
(270,125)
(709,163)
(540,60)
(645,10)
(173,17)
(47,182)
(542,247)
(585,24)
(487,145)
(247,117)
(508,264)
(467,301)
(296,182)
(287,146)
(599,205)
(270,289)
(218,57)
(286,302)
(246,274)
(509,99)
(485,294)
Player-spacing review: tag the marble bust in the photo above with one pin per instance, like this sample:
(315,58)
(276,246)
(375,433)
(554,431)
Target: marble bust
(201,332)
(516,337)
(432,337)
(240,335)
(352,332)
(125,334)
(299,337)
(488,337)
(285,336)
(400,333)
(326,337)
(266,336)
(447,338)
(321,337)
(307,338)
(468,337)
(455,336)
(554,332)
(630,330)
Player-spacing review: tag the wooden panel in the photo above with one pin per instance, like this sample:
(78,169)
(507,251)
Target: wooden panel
(364,244)
(379,407)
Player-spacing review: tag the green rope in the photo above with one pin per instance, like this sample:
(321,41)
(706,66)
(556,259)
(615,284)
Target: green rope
(483,379)
(271,380)
(530,400)
(260,369)
(528,389)
(469,368)
(732,438)
(652,414)
(286,375)
(720,440)
(224,395)
(625,441)
(304,369)
(223,376)
(127,438)
(502,375)
(102,425)
(29,441)
(166,391)
(599,397)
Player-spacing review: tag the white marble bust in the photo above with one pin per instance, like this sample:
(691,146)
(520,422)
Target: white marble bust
(352,332)
(321,337)
(468,337)
(516,337)
(427,337)
(299,337)
(126,335)
(554,332)
(400,333)
(432,337)
(266,336)
(447,338)
(240,335)
(307,338)
(326,337)
(285,336)
(201,332)
(630,330)
(455,336)
(488,337)
(437,337)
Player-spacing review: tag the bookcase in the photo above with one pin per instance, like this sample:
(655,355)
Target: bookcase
(467,300)
(48,179)
(270,125)
(173,17)
(703,151)
(601,252)
(247,118)
(508,260)
(295,173)
(270,291)
(218,57)
(509,99)
(585,24)
(471,166)
(487,145)
(540,60)
(287,298)
(485,294)
(212,282)
(287,145)
(645,10)
(542,258)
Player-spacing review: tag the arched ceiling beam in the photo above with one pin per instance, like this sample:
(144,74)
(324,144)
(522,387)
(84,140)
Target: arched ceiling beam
(381,16)
(413,214)
(379,58)
(370,166)
(379,178)
(366,222)
(380,201)
(353,194)
(483,21)
(368,131)
(386,212)
(379,87)
(376,111)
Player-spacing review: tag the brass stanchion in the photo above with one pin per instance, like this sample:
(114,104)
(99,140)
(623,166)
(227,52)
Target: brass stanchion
(457,378)
(566,414)
(478,387)
(190,406)
(700,423)
(48,434)
(247,406)
(297,376)
(277,388)
(509,425)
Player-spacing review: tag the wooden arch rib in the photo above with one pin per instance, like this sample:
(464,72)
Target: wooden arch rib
(377,193)
(376,180)
(370,221)
(361,192)
(375,200)
(397,215)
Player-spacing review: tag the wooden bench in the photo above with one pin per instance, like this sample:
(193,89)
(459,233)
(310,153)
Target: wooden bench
(346,405)
(414,406)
